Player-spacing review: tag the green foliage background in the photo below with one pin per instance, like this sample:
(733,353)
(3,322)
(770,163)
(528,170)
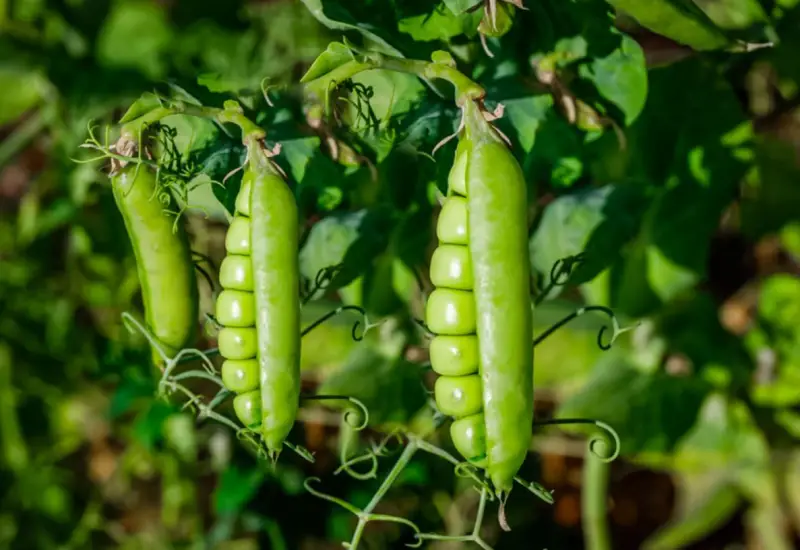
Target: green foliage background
(674,171)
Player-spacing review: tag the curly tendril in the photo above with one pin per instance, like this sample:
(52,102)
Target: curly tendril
(354,333)
(560,273)
(347,466)
(349,413)
(615,327)
(599,442)
(379,450)
(562,268)
(322,280)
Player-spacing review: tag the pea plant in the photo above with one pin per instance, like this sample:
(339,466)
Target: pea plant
(438,201)
(479,315)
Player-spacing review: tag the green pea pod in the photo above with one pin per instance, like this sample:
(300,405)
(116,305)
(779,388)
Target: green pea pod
(163,258)
(480,311)
(276,283)
(679,20)
(498,228)
(259,307)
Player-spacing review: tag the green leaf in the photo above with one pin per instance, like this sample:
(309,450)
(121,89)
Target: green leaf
(22,90)
(695,156)
(192,133)
(526,115)
(621,77)
(143,105)
(672,261)
(458,7)
(265,42)
(335,16)
(328,242)
(598,222)
(335,55)
(298,154)
(734,14)
(136,35)
(391,95)
(220,83)
(680,20)
(219,159)
(440,24)
(558,159)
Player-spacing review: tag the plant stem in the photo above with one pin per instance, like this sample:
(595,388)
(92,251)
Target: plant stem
(399,466)
(230,114)
(593,502)
(465,89)
(392,476)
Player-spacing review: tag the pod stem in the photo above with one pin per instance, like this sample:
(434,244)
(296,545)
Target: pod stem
(231,113)
(441,67)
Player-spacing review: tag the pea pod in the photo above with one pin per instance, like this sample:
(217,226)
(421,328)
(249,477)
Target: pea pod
(480,310)
(163,257)
(259,307)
